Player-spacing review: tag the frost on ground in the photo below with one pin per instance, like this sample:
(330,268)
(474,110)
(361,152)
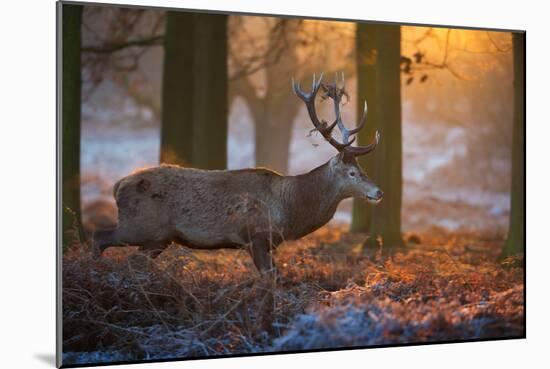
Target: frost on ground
(364,320)
(188,303)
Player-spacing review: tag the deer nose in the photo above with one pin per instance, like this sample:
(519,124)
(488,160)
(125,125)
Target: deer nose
(379,194)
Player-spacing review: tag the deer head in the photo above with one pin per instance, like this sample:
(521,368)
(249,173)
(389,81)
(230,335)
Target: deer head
(347,174)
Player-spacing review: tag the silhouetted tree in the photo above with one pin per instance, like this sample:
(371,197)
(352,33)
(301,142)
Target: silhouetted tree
(366,58)
(194,92)
(292,50)
(210,96)
(274,117)
(388,168)
(385,166)
(516,232)
(70,119)
(177,89)
(273,112)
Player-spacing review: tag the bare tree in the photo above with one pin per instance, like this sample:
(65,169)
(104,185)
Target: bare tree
(290,48)
(210,95)
(271,49)
(273,112)
(366,58)
(516,232)
(177,89)
(194,98)
(388,168)
(114,41)
(379,73)
(70,122)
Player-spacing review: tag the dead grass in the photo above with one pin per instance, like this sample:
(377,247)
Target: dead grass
(332,294)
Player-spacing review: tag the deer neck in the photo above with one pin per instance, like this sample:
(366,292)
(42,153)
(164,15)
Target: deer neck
(312,199)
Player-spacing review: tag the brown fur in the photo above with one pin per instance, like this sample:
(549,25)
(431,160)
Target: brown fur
(254,208)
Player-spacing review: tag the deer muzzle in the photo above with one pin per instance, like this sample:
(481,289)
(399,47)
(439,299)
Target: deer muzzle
(375,197)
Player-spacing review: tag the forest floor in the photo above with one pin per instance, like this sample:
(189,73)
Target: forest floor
(447,284)
(443,286)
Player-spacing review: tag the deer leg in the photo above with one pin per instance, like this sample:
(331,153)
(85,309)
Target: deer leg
(112,238)
(260,250)
(104,239)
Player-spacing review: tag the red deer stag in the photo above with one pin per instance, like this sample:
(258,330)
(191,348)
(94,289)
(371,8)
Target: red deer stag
(256,209)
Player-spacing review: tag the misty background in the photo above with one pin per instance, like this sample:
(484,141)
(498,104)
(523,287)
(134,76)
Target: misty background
(440,258)
(456,110)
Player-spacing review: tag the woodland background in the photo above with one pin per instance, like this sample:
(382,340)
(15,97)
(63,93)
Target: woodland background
(213,91)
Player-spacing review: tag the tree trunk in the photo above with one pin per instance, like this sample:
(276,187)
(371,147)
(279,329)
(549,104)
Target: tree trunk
(366,55)
(194,92)
(278,108)
(516,233)
(274,119)
(386,222)
(210,92)
(70,120)
(176,145)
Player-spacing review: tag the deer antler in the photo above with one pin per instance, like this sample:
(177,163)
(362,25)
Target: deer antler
(335,93)
(321,126)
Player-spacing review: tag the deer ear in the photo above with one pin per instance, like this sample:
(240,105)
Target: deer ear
(337,159)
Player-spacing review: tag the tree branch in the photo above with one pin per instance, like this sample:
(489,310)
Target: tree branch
(115,47)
